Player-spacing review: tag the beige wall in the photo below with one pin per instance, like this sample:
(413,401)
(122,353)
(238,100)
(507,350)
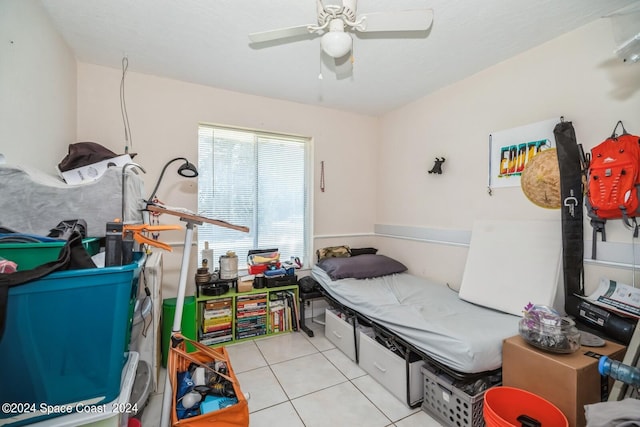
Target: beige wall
(575,76)
(376,169)
(37,87)
(164,116)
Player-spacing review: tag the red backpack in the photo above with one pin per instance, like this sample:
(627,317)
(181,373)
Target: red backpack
(613,181)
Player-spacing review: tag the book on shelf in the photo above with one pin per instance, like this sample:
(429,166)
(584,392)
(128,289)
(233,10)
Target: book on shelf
(276,321)
(252,321)
(245,298)
(251,334)
(251,302)
(285,304)
(260,312)
(250,330)
(252,307)
(254,312)
(218,340)
(276,304)
(215,334)
(216,323)
(217,304)
(217,320)
(209,330)
(293,303)
(209,314)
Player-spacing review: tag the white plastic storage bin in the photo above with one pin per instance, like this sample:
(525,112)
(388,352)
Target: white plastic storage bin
(449,404)
(340,332)
(112,414)
(389,369)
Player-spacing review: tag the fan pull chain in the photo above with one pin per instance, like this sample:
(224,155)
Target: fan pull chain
(322,176)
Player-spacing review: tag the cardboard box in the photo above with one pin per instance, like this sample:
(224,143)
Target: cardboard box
(245,284)
(569,381)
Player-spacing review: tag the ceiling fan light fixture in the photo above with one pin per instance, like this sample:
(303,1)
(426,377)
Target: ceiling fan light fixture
(336,44)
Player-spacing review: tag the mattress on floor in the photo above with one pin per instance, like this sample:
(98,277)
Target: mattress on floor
(430,316)
(34,202)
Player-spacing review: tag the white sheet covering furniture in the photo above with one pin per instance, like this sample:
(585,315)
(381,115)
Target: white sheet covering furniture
(429,316)
(513,262)
(34,202)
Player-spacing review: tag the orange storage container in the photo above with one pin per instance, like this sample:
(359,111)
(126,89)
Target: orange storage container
(514,407)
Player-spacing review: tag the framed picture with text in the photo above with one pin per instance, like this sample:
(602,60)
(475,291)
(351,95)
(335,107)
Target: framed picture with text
(511,149)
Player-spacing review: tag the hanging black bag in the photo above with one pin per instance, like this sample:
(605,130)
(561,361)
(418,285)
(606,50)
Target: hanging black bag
(572,164)
(73,256)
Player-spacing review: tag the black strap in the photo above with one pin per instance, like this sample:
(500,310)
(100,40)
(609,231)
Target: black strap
(624,131)
(570,163)
(73,256)
(630,222)
(597,225)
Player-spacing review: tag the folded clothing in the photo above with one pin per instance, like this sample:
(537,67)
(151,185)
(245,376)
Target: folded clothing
(623,413)
(264,258)
(7,266)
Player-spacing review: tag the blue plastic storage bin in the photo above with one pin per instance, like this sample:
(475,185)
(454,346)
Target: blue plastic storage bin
(65,341)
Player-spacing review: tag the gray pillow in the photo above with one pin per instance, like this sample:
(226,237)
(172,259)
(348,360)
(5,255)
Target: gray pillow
(361,267)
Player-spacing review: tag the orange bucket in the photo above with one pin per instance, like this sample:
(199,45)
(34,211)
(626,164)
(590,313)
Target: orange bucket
(513,407)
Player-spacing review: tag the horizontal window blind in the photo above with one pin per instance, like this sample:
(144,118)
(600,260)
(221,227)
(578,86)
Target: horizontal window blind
(255,179)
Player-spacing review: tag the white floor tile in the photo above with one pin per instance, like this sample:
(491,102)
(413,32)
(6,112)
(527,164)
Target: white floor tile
(285,347)
(325,387)
(348,367)
(339,406)
(245,357)
(393,408)
(152,411)
(307,374)
(419,419)
(162,377)
(318,340)
(263,388)
(280,415)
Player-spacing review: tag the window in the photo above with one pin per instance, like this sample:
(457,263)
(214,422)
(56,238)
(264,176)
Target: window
(259,180)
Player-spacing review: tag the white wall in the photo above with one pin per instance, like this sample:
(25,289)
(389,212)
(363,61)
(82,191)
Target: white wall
(575,76)
(37,87)
(164,116)
(376,169)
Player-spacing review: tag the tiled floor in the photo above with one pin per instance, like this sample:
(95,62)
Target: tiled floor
(297,381)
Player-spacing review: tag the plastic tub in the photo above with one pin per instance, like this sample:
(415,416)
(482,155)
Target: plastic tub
(543,328)
(188,328)
(513,407)
(31,255)
(113,414)
(65,339)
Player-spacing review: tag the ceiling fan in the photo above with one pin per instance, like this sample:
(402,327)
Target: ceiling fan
(336,22)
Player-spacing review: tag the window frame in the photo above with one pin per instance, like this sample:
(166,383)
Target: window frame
(307,141)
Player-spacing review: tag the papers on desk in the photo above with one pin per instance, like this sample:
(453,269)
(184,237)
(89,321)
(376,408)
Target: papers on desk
(617,297)
(92,172)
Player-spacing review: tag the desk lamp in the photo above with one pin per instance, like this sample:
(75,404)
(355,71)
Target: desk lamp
(188,170)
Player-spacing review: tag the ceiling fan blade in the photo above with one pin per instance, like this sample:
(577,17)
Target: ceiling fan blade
(350,4)
(343,66)
(404,20)
(281,33)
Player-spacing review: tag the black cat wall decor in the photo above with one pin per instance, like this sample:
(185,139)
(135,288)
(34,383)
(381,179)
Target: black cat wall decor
(437,167)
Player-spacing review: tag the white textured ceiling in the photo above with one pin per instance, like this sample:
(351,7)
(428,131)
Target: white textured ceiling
(205,42)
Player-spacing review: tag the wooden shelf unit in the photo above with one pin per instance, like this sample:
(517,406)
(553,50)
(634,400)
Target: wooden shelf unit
(241,316)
